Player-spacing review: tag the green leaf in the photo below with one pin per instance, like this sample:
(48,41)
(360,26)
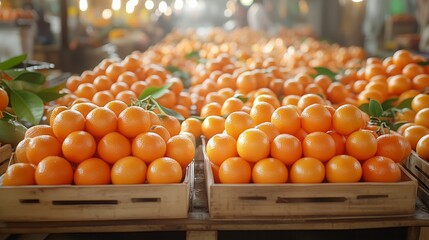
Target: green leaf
(51,93)
(11,131)
(324,71)
(12,62)
(177,72)
(387,104)
(365,108)
(423,63)
(155,92)
(375,108)
(173,69)
(405,104)
(28,106)
(167,111)
(193,55)
(31,77)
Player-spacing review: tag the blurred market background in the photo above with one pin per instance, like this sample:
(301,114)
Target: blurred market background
(76,35)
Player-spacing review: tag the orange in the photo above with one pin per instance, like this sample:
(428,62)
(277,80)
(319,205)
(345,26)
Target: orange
(101,121)
(269,129)
(422,147)
(343,169)
(20,151)
(211,109)
(286,148)
(118,87)
(154,118)
(372,70)
(347,119)
(192,125)
(171,123)
(87,76)
(78,146)
(92,171)
(336,92)
(215,97)
(66,122)
(215,171)
(309,99)
(85,90)
(402,57)
(237,122)
(131,63)
(290,100)
(402,128)
(138,87)
(422,117)
(113,146)
(73,82)
(235,170)
(176,85)
(323,81)
(319,145)
(286,119)
(116,106)
(420,81)
(261,112)
(184,99)
(102,83)
(84,108)
(269,171)
(226,80)
(114,70)
(253,145)
(181,149)
(19,174)
(307,170)
(129,170)
(231,105)
(414,133)
(55,112)
(314,88)
(220,147)
(54,170)
(102,98)
(340,142)
(161,131)
(212,125)
(246,82)
(38,130)
(361,144)
(268,98)
(316,118)
(380,169)
(126,96)
(127,77)
(303,78)
(40,147)
(393,146)
(420,101)
(412,69)
(168,99)
(148,146)
(132,121)
(292,87)
(163,171)
(398,84)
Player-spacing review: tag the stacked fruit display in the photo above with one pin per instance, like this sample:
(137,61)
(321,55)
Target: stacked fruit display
(268,107)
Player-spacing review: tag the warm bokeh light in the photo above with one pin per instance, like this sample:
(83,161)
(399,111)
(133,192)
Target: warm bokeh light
(83,5)
(116,5)
(246,2)
(107,13)
(168,12)
(129,7)
(149,4)
(192,3)
(178,4)
(162,7)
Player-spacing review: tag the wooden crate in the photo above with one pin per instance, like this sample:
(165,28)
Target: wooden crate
(98,202)
(420,169)
(5,154)
(324,200)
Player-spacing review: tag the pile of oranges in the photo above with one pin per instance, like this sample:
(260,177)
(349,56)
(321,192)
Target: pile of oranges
(308,143)
(88,145)
(268,115)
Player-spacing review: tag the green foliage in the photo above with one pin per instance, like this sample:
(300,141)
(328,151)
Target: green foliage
(324,71)
(147,100)
(27,93)
(384,114)
(185,77)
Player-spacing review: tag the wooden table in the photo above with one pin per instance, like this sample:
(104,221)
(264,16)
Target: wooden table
(198,225)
